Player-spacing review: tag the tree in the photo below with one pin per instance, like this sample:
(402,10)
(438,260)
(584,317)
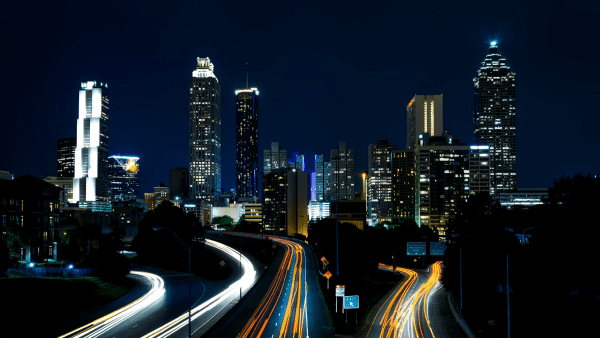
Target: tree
(223,221)
(153,246)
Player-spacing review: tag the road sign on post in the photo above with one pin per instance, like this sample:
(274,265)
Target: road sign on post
(437,248)
(350,302)
(416,248)
(328,275)
(340,290)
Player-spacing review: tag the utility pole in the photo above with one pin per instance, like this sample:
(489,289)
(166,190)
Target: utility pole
(507,297)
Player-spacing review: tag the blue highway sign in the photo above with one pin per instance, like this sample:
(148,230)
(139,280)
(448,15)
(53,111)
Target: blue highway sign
(416,248)
(437,248)
(351,302)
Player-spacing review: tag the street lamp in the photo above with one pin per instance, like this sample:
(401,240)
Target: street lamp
(189,251)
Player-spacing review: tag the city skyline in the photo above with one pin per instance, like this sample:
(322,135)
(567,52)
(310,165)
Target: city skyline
(306,114)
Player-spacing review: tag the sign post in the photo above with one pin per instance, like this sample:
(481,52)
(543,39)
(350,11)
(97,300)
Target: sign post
(328,275)
(340,291)
(351,302)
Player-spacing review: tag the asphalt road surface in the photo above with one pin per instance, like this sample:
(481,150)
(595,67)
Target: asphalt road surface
(162,310)
(414,308)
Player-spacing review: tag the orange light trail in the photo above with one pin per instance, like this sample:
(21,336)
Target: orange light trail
(404,314)
(294,317)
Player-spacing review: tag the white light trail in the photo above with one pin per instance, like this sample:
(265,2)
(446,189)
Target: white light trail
(103,324)
(222,299)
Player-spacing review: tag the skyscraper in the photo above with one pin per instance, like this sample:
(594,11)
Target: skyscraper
(495,120)
(91,155)
(274,158)
(379,185)
(246,143)
(205,133)
(424,114)
(322,179)
(342,176)
(178,183)
(124,177)
(66,157)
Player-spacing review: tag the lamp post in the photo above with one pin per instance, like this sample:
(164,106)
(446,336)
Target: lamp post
(189,250)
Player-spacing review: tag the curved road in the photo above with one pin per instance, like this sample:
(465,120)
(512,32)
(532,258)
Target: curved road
(292,306)
(405,313)
(162,312)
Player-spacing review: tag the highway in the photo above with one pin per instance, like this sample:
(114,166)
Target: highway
(292,305)
(163,311)
(405,313)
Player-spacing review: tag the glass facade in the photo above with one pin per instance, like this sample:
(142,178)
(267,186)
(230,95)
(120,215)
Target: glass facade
(342,175)
(124,177)
(66,157)
(246,142)
(205,134)
(495,120)
(379,184)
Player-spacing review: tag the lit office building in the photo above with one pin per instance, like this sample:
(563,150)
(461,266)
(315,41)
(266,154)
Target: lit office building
(274,158)
(495,120)
(322,179)
(90,184)
(285,202)
(342,175)
(246,143)
(424,114)
(404,197)
(443,172)
(124,178)
(524,198)
(379,182)
(318,210)
(66,157)
(205,133)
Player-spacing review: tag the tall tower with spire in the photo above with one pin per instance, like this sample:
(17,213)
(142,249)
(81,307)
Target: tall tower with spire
(495,121)
(205,133)
(246,145)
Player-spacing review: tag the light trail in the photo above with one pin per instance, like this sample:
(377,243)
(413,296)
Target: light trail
(220,300)
(406,312)
(101,325)
(288,291)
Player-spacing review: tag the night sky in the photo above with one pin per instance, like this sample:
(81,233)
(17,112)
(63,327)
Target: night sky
(326,73)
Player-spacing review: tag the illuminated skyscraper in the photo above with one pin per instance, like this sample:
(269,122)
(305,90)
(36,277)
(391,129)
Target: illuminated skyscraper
(91,155)
(379,186)
(124,177)
(66,157)
(246,147)
(494,119)
(424,114)
(205,133)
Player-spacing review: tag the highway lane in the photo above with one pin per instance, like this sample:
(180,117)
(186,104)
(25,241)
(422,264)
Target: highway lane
(405,313)
(164,314)
(292,306)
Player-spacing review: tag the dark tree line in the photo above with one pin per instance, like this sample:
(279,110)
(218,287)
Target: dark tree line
(554,286)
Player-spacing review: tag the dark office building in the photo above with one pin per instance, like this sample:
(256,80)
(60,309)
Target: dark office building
(495,120)
(178,182)
(246,148)
(29,206)
(66,157)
